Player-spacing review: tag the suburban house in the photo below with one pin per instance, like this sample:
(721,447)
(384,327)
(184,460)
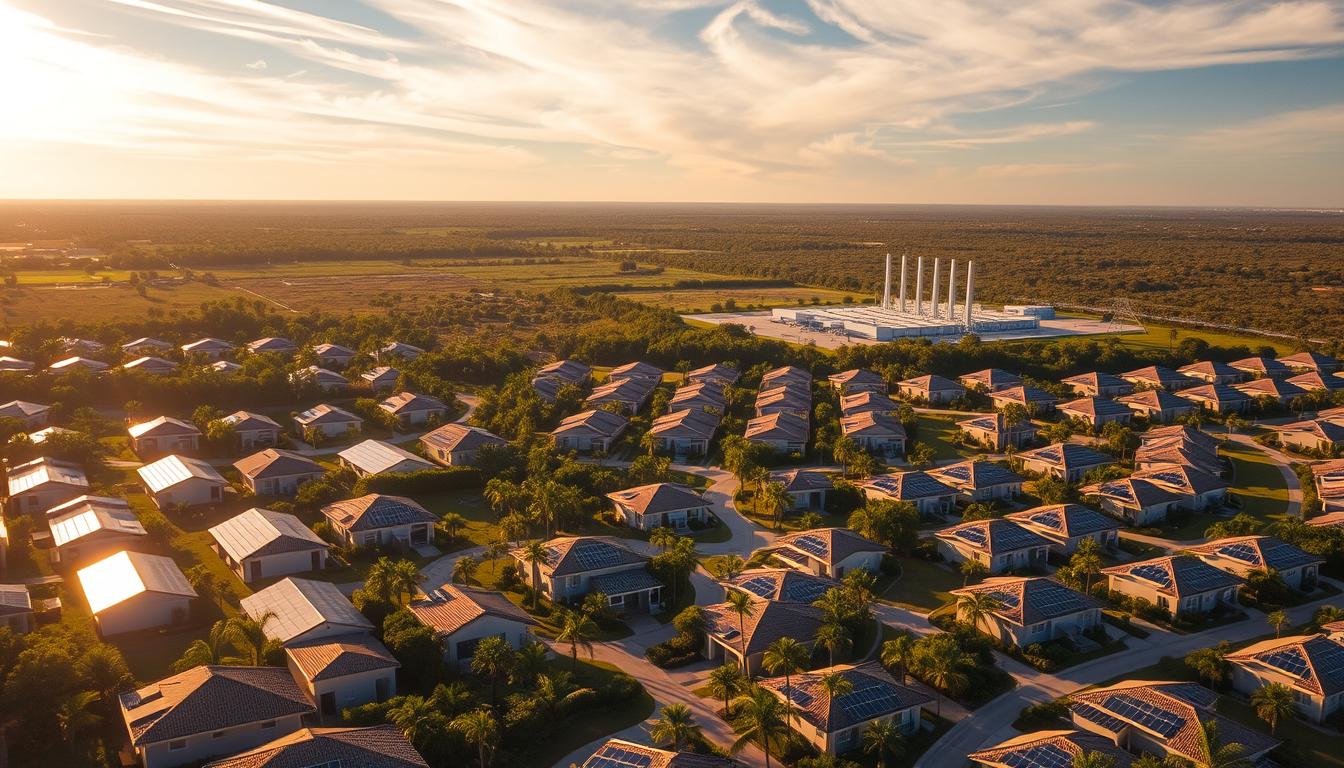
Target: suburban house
(615,753)
(1067,461)
(1213,372)
(1034,609)
(992,431)
(875,432)
(76,364)
(175,480)
(1000,545)
(1098,384)
(571,371)
(381,520)
(660,505)
(1158,405)
(1311,665)
(1278,390)
(1033,399)
(375,457)
(1220,398)
(1096,412)
(225,367)
(684,432)
(275,472)
(1066,525)
(410,409)
(1311,361)
(1059,748)
(305,610)
(595,430)
(32,415)
(146,345)
(210,711)
(1328,477)
(783,584)
(867,401)
(930,496)
(377,746)
(829,552)
(980,481)
(382,377)
(210,349)
(990,380)
(1261,367)
(703,395)
(261,544)
(636,370)
(788,398)
(548,387)
(1159,377)
(1312,435)
(40,436)
(41,484)
(857,380)
(13,364)
(463,616)
(273,345)
(16,609)
(334,355)
(729,637)
(1318,382)
(323,421)
(1198,489)
(1179,584)
(457,445)
(322,378)
(1139,502)
(131,591)
(785,431)
(342,672)
(786,375)
(81,346)
(1240,555)
(808,487)
(399,350)
(932,389)
(89,528)
(578,565)
(151,366)
(835,724)
(1181,445)
(723,374)
(1328,520)
(164,435)
(1162,718)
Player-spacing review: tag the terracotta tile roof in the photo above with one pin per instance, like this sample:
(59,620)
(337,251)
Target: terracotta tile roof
(594,422)
(974,475)
(637,369)
(768,622)
(1095,407)
(1258,552)
(1031,600)
(867,401)
(1314,381)
(788,372)
(1209,368)
(378,746)
(690,422)
(782,584)
(991,378)
(377,510)
(460,437)
(453,606)
(798,479)
(1278,389)
(1158,399)
(1176,575)
(627,753)
(1098,380)
(1058,746)
(1064,520)
(656,498)
(274,462)
(784,425)
(1159,376)
(1314,662)
(1328,431)
(578,554)
(210,698)
(1023,396)
(333,657)
(1264,366)
(859,376)
(714,372)
(1314,361)
(829,545)
(992,536)
(872,424)
(933,383)
(876,694)
(1219,395)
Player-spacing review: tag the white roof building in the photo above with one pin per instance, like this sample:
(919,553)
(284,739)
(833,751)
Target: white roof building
(375,457)
(305,610)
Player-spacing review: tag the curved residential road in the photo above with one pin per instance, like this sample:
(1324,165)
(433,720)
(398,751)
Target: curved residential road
(1285,465)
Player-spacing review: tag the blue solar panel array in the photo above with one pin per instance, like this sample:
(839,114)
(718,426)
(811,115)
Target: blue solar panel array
(812,545)
(799,697)
(596,554)
(1052,599)
(761,586)
(974,534)
(1289,660)
(1094,715)
(1150,716)
(1040,756)
(1198,576)
(1051,519)
(613,756)
(1006,599)
(806,590)
(1154,573)
(1242,551)
(870,702)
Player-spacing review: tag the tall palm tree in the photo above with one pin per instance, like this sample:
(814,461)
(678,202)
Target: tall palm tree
(1273,702)
(725,682)
(786,656)
(1086,560)
(975,607)
(418,719)
(773,501)
(406,580)
(452,523)
(493,659)
(534,554)
(741,603)
(1278,620)
(380,580)
(940,663)
(834,636)
(836,685)
(760,715)
(453,698)
(676,726)
(464,569)
(214,648)
(730,566)
(835,606)
(248,637)
(883,738)
(898,652)
(1092,759)
(479,729)
(577,630)
(662,537)
(1215,753)
(530,662)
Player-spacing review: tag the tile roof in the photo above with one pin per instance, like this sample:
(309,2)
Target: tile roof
(787,372)
(638,369)
(994,422)
(618,753)
(1221,395)
(1049,749)
(378,746)
(247,421)
(860,376)
(688,422)
(1329,431)
(15,600)
(712,372)
(1176,575)
(1209,368)
(408,402)
(275,462)
(1159,375)
(1314,361)
(933,383)
(452,607)
(1064,520)
(272,344)
(782,584)
(171,470)
(1030,600)
(906,486)
(1096,407)
(163,425)
(324,413)
(1258,552)
(974,475)
(871,424)
(596,422)
(1265,366)
(568,555)
(790,397)
(1098,380)
(1314,662)
(262,532)
(301,605)
(829,545)
(124,575)
(1158,399)
(656,498)
(461,437)
(572,371)
(1067,456)
(768,622)
(784,425)
(375,457)
(992,536)
(1314,381)
(321,377)
(992,378)
(876,694)
(799,479)
(332,657)
(867,401)
(210,698)
(377,510)
(1023,395)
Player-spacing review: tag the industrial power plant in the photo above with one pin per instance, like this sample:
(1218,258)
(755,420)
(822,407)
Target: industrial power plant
(920,317)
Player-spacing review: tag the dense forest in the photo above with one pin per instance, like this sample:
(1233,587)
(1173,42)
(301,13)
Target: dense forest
(1280,271)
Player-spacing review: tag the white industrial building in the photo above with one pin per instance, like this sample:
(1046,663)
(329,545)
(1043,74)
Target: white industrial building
(921,317)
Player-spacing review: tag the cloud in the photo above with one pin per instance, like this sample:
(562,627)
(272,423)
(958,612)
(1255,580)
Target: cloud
(258,64)
(1033,170)
(1298,132)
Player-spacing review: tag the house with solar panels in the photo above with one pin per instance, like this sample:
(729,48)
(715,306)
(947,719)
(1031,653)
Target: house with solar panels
(835,725)
(618,753)
(1180,445)
(1067,525)
(684,432)
(1034,400)
(463,616)
(1035,610)
(990,380)
(344,671)
(660,505)
(1158,405)
(1311,665)
(132,591)
(1162,718)
(993,431)
(931,497)
(781,584)
(595,430)
(857,380)
(1261,367)
(730,638)
(1240,555)
(377,746)
(380,520)
(1000,545)
(1098,384)
(327,421)
(1067,461)
(1199,490)
(979,481)
(931,389)
(89,528)
(868,401)
(1182,585)
(1096,412)
(830,552)
(1328,477)
(175,480)
(304,610)
(43,483)
(259,544)
(16,609)
(875,432)
(808,487)
(578,565)
(1049,749)
(275,472)
(375,457)
(1139,502)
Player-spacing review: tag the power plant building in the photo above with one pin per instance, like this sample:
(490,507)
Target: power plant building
(892,319)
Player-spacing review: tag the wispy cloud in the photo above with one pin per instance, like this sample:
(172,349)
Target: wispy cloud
(1291,133)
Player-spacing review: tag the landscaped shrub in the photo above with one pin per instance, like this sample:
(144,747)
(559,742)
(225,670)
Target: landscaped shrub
(621,688)
(1042,716)
(675,652)
(423,481)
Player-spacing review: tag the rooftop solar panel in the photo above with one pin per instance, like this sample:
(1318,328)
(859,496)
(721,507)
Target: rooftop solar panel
(761,586)
(615,756)
(975,535)
(870,702)
(1094,715)
(813,545)
(1289,660)
(1154,573)
(1242,551)
(1039,756)
(807,591)
(1150,716)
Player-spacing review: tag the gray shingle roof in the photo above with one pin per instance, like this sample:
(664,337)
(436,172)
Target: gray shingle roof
(260,532)
(379,746)
(210,698)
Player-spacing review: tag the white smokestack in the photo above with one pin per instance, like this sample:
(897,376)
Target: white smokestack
(952,289)
(970,294)
(919,286)
(933,291)
(886,286)
(903,271)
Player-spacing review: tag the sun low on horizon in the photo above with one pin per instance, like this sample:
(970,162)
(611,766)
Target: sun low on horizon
(1089,102)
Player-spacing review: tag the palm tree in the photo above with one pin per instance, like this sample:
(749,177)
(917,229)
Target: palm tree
(760,715)
(975,607)
(883,739)
(1273,702)
(940,663)
(1092,759)
(972,569)
(534,554)
(836,685)
(1216,753)
(478,728)
(248,637)
(453,522)
(595,606)
(406,579)
(676,725)
(453,698)
(464,569)
(730,566)
(577,630)
(662,537)
(1278,620)
(772,501)
(834,637)
(899,651)
(726,682)
(741,603)
(74,716)
(494,659)
(215,648)
(1087,561)
(380,580)
(419,720)
(786,656)
(529,663)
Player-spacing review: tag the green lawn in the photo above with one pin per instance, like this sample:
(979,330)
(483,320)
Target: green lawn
(938,431)
(481,529)
(922,586)
(1158,336)
(1256,480)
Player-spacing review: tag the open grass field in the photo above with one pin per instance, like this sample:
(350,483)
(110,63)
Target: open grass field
(937,430)
(922,586)
(1258,483)
(701,301)
(1158,336)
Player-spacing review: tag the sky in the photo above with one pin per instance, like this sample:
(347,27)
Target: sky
(1078,102)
